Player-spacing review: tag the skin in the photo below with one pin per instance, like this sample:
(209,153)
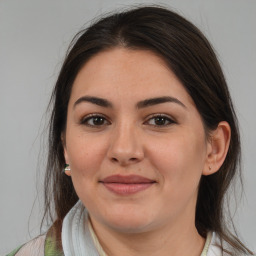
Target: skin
(127,140)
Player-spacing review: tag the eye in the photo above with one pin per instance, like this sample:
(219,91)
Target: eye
(160,120)
(95,121)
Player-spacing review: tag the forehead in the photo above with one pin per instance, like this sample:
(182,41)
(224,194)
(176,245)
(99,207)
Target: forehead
(121,72)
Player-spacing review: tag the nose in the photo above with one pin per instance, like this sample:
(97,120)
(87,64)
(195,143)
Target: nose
(125,145)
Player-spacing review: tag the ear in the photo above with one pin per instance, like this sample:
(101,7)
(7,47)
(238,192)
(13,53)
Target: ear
(217,148)
(67,172)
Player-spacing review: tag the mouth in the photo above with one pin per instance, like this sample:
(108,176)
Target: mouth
(126,185)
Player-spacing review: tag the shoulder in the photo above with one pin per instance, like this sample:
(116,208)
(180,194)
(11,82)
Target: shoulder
(33,247)
(43,245)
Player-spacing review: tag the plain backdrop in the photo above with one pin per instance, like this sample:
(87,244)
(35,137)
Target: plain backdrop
(34,35)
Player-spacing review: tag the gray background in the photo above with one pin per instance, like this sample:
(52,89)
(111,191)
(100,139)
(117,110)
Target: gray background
(33,38)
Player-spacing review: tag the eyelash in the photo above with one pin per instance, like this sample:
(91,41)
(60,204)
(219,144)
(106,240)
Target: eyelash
(93,117)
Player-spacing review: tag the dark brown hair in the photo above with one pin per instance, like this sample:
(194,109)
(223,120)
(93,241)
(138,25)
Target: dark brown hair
(190,56)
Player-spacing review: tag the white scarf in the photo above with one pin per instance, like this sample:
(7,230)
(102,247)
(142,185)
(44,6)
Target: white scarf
(75,236)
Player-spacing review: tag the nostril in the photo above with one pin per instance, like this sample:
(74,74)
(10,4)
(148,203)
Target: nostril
(123,161)
(114,159)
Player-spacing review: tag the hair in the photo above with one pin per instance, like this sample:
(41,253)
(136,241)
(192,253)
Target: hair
(190,56)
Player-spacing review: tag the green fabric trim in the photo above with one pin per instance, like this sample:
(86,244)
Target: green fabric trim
(53,245)
(50,248)
(14,251)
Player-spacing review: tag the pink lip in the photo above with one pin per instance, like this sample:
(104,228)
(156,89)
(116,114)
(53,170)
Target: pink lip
(127,185)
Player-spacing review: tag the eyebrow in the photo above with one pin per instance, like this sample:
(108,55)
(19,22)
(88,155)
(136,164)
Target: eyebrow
(95,100)
(141,104)
(158,100)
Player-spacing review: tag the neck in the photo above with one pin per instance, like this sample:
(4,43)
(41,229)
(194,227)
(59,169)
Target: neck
(178,240)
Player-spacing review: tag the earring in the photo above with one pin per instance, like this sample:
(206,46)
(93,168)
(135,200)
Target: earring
(67,169)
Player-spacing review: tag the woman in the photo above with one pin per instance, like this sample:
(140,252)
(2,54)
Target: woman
(144,127)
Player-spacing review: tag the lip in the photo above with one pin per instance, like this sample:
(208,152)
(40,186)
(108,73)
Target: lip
(127,185)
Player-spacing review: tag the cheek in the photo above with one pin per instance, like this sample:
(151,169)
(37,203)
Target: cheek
(85,156)
(179,160)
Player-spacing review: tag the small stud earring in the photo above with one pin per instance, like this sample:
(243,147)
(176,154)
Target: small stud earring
(67,169)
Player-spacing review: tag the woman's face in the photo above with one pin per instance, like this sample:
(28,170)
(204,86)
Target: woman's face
(135,142)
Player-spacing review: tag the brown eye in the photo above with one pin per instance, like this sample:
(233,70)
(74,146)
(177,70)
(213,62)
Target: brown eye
(160,120)
(95,121)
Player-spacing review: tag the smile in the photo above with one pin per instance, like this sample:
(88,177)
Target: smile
(127,185)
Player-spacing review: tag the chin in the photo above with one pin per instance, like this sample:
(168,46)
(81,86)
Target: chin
(128,222)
